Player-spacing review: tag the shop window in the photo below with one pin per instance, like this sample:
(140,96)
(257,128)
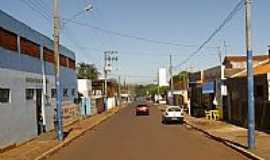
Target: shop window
(29,94)
(8,40)
(4,95)
(53,93)
(65,92)
(259,91)
(48,55)
(29,48)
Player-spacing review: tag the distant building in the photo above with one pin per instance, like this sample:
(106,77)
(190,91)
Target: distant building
(239,62)
(27,81)
(87,108)
(98,93)
(162,77)
(236,107)
(208,86)
(85,87)
(180,93)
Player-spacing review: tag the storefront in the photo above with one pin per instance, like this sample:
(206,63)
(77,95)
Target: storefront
(208,95)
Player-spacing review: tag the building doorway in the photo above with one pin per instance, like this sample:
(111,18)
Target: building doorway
(39,117)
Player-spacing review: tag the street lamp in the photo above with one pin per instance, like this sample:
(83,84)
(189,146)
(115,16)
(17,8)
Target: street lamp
(89,8)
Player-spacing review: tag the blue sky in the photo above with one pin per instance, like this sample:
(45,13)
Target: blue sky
(177,21)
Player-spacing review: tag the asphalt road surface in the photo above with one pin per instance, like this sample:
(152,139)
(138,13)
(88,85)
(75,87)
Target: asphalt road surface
(129,137)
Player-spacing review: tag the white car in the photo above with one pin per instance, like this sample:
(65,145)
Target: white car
(173,114)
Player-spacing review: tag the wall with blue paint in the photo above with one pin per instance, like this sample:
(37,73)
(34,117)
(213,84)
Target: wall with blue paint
(18,117)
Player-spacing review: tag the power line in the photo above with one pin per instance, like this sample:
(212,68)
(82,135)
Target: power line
(46,15)
(41,9)
(45,3)
(130,36)
(238,7)
(33,7)
(44,7)
(68,20)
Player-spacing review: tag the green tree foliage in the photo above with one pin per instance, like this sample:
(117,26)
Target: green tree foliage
(87,71)
(140,90)
(182,76)
(149,90)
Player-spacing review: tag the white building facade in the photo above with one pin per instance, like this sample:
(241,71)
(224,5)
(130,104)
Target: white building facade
(27,82)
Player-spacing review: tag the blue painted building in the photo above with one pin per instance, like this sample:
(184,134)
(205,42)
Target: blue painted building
(27,82)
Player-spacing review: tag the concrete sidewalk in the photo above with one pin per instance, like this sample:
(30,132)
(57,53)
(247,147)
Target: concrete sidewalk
(47,144)
(233,136)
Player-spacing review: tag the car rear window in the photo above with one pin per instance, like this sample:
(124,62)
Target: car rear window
(174,109)
(141,106)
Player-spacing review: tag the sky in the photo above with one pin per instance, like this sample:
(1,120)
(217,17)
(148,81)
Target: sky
(187,22)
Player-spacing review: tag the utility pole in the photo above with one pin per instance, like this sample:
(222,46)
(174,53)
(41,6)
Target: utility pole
(171,75)
(221,81)
(128,92)
(251,114)
(220,55)
(108,60)
(105,74)
(56,31)
(119,90)
(225,48)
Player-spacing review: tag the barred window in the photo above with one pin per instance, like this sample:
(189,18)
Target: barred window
(4,95)
(29,94)
(65,92)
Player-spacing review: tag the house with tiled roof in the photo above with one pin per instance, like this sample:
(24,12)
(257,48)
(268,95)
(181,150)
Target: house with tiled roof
(209,85)
(236,105)
(239,62)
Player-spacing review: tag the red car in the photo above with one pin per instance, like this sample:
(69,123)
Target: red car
(142,109)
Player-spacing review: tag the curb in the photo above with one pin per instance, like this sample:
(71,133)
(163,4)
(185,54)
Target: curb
(68,141)
(226,142)
(13,146)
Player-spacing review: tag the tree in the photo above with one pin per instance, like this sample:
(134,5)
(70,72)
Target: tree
(140,90)
(182,76)
(150,90)
(87,71)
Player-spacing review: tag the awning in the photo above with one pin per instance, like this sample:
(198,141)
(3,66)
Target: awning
(208,88)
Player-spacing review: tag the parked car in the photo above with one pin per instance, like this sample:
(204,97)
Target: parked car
(173,114)
(142,109)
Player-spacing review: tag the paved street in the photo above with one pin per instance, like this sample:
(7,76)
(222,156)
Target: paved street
(127,137)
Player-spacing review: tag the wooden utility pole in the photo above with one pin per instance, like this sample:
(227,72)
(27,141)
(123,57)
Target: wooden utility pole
(56,31)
